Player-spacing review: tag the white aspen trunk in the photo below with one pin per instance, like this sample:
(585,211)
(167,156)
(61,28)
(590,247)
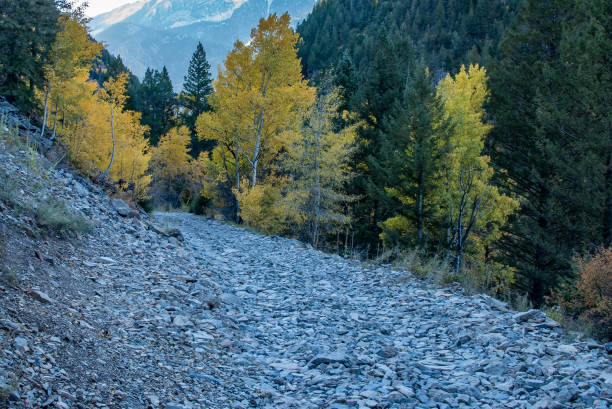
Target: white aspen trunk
(254,176)
(255,160)
(237,165)
(55,117)
(46,112)
(110,165)
(259,121)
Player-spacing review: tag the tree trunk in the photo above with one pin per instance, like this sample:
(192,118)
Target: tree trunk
(55,117)
(317,183)
(346,234)
(168,195)
(237,166)
(110,165)
(254,177)
(420,216)
(255,160)
(46,112)
(459,255)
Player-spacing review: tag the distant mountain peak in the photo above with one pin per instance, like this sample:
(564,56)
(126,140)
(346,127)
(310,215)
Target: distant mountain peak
(154,33)
(167,14)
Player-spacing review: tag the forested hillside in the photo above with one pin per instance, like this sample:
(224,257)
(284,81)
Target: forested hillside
(444,33)
(540,99)
(467,138)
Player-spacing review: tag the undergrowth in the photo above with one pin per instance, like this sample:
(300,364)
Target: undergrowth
(54,215)
(496,281)
(25,195)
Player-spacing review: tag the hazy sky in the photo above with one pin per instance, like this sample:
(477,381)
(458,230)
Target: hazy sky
(100,6)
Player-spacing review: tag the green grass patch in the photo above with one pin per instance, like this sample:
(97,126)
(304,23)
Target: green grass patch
(51,214)
(55,216)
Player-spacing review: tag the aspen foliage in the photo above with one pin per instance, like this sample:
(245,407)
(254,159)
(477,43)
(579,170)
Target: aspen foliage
(260,89)
(473,208)
(89,133)
(229,164)
(171,166)
(71,52)
(260,207)
(318,162)
(259,102)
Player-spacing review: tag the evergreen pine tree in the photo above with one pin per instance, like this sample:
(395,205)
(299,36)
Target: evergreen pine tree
(539,241)
(382,87)
(345,78)
(157,103)
(166,102)
(412,153)
(197,88)
(27,31)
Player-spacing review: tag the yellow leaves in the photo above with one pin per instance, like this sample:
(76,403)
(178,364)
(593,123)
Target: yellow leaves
(88,131)
(170,158)
(113,91)
(176,176)
(72,49)
(317,157)
(463,98)
(259,208)
(259,94)
(473,205)
(395,228)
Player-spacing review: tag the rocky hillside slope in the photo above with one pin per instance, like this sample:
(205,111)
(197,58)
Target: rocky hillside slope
(105,311)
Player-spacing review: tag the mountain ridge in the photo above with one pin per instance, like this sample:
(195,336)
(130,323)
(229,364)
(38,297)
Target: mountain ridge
(154,33)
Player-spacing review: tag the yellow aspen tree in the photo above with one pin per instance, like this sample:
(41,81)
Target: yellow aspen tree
(71,51)
(99,130)
(170,162)
(218,125)
(113,94)
(261,88)
(318,160)
(473,207)
(79,97)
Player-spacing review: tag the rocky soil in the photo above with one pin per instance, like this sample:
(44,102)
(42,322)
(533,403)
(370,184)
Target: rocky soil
(128,316)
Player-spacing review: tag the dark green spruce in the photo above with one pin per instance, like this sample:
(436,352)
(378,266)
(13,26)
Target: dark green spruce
(194,98)
(552,140)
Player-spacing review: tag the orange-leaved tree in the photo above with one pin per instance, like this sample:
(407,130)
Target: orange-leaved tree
(594,287)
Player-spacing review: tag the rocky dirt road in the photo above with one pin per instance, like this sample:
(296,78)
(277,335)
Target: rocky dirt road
(310,330)
(127,316)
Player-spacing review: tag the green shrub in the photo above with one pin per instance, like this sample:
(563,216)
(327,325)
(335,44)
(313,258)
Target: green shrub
(199,205)
(9,274)
(147,205)
(433,268)
(8,190)
(491,278)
